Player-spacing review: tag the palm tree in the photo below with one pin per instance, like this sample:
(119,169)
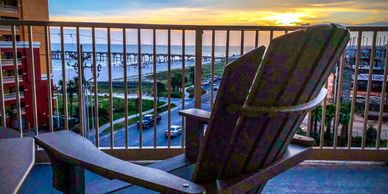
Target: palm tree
(72,88)
(192,75)
(344,120)
(60,84)
(330,115)
(176,81)
(161,88)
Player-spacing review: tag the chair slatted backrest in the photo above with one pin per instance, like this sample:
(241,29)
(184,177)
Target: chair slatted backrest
(292,72)
(234,88)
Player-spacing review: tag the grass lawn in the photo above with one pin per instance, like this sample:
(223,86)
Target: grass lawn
(147,87)
(103,109)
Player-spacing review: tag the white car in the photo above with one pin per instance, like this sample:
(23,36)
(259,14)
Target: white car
(175,130)
(215,87)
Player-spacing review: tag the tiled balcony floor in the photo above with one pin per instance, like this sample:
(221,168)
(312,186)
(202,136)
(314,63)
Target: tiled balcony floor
(305,178)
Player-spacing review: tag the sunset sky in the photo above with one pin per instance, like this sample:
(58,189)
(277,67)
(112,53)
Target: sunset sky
(222,12)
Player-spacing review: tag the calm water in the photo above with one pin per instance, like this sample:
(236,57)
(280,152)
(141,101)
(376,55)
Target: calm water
(132,70)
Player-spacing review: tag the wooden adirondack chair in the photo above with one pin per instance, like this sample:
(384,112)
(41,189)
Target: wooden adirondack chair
(250,132)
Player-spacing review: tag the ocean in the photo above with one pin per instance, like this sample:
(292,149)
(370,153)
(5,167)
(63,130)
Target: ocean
(132,70)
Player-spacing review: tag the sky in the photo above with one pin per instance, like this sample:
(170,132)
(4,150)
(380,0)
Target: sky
(212,12)
(222,12)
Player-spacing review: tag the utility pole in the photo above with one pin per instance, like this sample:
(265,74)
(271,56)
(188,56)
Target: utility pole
(85,87)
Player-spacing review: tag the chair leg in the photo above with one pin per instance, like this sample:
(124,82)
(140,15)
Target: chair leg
(67,177)
(194,134)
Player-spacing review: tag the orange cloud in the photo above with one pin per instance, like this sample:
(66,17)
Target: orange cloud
(345,12)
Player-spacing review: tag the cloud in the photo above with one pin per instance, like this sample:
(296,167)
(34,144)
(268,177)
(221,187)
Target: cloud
(223,12)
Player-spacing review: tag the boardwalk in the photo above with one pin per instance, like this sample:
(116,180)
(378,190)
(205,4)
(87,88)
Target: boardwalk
(131,57)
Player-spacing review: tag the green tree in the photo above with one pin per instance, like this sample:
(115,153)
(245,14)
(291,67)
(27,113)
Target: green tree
(60,85)
(160,89)
(344,120)
(330,116)
(192,75)
(371,134)
(176,81)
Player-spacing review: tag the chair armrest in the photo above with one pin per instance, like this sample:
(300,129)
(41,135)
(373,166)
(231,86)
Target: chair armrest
(66,148)
(302,140)
(196,114)
(8,133)
(17,157)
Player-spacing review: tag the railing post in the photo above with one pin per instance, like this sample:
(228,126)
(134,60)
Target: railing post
(198,69)
(17,84)
(33,81)
(2,97)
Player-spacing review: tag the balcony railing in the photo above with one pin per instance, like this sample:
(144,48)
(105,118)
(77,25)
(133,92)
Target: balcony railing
(9,62)
(8,28)
(13,96)
(345,129)
(11,79)
(9,8)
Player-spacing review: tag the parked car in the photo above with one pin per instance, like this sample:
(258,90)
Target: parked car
(175,130)
(215,87)
(205,82)
(148,120)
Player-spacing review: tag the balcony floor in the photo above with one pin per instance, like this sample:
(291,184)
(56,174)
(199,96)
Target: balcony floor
(305,178)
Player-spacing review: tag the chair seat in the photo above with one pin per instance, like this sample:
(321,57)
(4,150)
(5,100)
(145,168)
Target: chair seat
(182,167)
(16,161)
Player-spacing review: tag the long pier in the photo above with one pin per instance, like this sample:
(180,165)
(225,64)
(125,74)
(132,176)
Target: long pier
(131,57)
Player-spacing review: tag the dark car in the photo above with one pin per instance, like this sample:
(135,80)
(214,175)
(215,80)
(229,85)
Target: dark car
(148,121)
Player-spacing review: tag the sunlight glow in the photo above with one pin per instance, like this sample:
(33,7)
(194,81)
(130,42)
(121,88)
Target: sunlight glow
(286,19)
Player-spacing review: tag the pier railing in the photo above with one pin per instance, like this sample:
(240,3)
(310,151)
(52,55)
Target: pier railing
(345,129)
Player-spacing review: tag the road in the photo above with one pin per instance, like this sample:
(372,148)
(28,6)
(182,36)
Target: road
(148,134)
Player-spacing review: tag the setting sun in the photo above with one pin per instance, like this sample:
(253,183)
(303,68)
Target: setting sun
(287,19)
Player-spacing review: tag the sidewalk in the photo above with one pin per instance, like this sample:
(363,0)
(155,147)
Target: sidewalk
(107,125)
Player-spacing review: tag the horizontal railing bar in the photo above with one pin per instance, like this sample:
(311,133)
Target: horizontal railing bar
(367,28)
(345,154)
(146,26)
(176,27)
